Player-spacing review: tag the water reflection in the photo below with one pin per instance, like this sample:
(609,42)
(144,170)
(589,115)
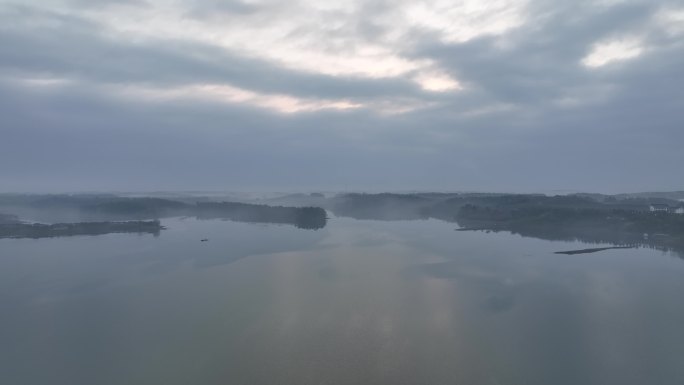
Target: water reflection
(359,302)
(659,242)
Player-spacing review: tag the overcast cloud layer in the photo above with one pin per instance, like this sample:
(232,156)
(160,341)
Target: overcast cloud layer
(502,95)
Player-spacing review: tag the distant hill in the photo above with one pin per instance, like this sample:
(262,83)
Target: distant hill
(674,195)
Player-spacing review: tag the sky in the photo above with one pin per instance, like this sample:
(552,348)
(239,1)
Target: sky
(471,95)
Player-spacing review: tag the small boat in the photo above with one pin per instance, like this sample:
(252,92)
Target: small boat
(204,240)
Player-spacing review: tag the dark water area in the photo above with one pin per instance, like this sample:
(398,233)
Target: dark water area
(591,250)
(356,302)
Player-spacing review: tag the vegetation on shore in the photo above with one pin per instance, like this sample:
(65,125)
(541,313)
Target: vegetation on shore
(103,208)
(302,217)
(38,230)
(589,219)
(593,218)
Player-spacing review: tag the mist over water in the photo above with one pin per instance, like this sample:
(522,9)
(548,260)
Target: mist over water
(357,302)
(368,192)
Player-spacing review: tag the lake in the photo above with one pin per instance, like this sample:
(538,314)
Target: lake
(357,302)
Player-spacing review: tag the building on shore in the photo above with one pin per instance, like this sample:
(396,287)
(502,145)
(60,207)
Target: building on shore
(659,208)
(665,208)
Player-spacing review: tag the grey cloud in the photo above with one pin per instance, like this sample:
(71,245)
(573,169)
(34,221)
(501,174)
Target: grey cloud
(540,60)
(624,134)
(189,144)
(218,8)
(104,3)
(80,49)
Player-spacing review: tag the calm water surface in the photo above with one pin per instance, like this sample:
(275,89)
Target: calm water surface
(358,302)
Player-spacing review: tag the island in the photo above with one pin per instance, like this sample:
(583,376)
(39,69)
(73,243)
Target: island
(64,209)
(39,230)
